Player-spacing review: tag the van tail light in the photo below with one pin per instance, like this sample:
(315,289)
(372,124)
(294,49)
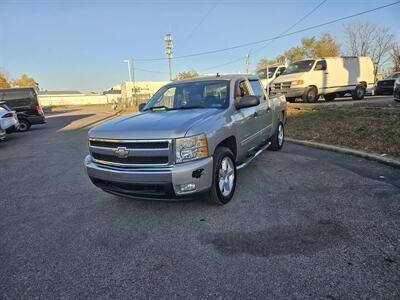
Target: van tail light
(8,115)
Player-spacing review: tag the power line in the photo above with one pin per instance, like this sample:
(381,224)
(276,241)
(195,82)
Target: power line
(283,32)
(276,37)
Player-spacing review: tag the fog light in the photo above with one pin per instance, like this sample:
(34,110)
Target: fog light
(187,187)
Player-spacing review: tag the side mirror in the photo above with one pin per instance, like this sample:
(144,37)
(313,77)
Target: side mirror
(247,101)
(141,106)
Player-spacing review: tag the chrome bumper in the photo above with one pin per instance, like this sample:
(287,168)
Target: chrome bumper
(292,92)
(161,183)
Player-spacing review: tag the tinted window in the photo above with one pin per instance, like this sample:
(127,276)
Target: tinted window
(320,65)
(257,88)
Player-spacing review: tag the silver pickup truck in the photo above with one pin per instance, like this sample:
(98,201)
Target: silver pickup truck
(188,140)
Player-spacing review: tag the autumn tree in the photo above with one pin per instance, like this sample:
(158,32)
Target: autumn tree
(186,74)
(24,81)
(4,83)
(367,39)
(311,47)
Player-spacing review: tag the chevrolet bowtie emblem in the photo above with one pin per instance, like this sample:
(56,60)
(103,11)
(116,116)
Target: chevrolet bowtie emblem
(121,152)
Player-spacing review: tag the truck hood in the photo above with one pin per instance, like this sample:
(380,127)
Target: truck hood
(290,77)
(153,124)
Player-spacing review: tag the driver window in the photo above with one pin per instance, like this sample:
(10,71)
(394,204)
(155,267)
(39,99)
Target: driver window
(320,66)
(241,90)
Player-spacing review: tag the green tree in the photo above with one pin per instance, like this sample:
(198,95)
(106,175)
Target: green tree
(4,83)
(396,57)
(185,75)
(24,81)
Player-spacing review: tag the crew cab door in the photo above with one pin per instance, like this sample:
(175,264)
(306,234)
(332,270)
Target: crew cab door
(263,110)
(246,119)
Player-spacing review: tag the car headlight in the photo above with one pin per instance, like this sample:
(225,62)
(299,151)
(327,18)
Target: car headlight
(191,148)
(298,82)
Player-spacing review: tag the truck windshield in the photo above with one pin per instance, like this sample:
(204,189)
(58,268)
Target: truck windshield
(299,66)
(266,73)
(202,94)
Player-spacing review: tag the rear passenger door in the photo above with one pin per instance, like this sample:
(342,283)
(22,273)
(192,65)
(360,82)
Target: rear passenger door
(247,124)
(263,111)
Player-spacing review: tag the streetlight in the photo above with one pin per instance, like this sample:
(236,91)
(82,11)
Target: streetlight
(169,52)
(129,69)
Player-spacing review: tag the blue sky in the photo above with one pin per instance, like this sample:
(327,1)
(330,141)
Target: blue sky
(81,45)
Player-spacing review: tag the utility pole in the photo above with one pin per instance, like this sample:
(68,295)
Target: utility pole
(169,52)
(247,63)
(129,69)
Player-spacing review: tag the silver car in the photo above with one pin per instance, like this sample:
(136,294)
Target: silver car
(189,140)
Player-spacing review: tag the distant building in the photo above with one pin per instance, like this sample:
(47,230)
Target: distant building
(149,88)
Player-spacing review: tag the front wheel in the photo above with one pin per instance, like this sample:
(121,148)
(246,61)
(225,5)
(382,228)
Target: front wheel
(330,97)
(358,93)
(278,138)
(224,176)
(310,95)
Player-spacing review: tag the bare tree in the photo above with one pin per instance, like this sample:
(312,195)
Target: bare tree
(396,57)
(366,39)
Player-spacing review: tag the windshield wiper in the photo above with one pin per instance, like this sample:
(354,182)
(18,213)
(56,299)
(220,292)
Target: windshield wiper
(157,107)
(190,107)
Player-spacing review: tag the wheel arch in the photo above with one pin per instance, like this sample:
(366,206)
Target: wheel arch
(230,143)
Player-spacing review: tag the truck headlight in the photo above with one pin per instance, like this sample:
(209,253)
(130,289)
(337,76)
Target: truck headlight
(191,148)
(298,82)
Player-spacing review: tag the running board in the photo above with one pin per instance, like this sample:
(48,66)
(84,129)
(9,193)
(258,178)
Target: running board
(242,165)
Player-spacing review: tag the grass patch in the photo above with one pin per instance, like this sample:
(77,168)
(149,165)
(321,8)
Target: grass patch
(369,129)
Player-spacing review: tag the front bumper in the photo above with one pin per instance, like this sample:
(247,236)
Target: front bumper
(160,183)
(289,93)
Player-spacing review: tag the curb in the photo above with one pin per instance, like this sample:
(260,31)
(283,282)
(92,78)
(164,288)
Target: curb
(376,157)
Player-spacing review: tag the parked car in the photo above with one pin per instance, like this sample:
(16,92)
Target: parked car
(25,102)
(396,90)
(308,79)
(267,75)
(8,119)
(188,140)
(386,86)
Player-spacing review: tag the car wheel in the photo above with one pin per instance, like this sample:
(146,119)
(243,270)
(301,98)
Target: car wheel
(224,176)
(24,125)
(278,138)
(358,93)
(310,95)
(330,97)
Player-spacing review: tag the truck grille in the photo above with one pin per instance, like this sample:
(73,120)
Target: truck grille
(282,85)
(131,153)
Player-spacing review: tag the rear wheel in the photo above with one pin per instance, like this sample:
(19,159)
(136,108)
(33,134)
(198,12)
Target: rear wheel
(358,93)
(310,94)
(24,125)
(278,138)
(330,97)
(224,176)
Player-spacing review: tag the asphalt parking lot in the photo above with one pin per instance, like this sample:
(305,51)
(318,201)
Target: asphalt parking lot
(304,223)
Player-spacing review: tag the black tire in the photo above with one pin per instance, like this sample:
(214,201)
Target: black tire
(330,97)
(24,125)
(277,141)
(310,94)
(291,99)
(215,194)
(358,93)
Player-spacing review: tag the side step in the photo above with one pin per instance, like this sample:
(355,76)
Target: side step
(242,165)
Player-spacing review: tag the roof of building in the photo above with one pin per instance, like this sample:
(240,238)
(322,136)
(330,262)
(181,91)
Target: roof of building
(58,92)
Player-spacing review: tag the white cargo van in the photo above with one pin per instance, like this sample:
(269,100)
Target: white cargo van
(267,75)
(308,79)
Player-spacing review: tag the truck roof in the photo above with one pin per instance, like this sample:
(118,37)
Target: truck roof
(217,77)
